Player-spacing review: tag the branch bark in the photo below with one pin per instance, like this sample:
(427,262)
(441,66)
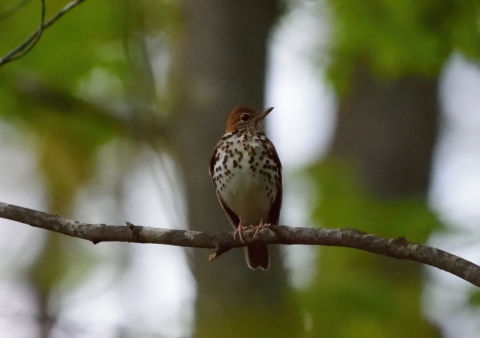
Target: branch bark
(221,242)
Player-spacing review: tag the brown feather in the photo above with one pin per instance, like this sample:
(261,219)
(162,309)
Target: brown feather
(235,115)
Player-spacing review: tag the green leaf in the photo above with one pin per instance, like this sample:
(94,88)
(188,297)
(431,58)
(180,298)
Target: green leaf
(397,38)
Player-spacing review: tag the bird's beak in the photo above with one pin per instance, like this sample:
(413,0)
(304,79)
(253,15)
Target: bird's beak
(264,114)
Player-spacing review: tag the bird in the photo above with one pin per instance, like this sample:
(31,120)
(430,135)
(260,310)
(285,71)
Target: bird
(247,174)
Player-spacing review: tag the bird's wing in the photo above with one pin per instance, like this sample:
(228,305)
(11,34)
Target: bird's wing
(274,214)
(232,216)
(212,160)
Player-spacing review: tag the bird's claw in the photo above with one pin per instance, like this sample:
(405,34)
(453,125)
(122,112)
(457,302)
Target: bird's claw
(260,227)
(238,231)
(257,228)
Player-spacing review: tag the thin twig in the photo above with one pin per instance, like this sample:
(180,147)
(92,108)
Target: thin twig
(30,42)
(221,242)
(23,49)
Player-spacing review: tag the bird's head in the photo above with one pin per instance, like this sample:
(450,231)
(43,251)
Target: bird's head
(243,118)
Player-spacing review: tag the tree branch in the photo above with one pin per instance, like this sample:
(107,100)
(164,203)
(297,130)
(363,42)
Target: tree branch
(30,42)
(223,241)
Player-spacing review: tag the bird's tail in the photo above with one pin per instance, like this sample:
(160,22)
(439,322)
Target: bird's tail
(257,256)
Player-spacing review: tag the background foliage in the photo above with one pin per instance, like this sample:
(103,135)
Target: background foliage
(401,38)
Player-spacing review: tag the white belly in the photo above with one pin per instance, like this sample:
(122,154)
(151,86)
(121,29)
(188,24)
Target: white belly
(248,197)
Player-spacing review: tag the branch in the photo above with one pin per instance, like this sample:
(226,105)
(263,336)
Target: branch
(30,42)
(221,242)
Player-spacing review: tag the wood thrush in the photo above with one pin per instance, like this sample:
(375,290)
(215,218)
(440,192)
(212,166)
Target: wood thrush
(247,174)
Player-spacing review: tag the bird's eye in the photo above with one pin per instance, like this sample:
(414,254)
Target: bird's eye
(245,117)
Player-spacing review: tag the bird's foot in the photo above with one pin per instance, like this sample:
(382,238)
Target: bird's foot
(259,227)
(238,231)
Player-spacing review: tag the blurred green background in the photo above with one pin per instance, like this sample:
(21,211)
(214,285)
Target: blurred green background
(113,115)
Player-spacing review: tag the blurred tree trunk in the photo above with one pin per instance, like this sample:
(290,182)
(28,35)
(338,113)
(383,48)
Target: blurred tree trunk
(220,63)
(376,178)
(389,128)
